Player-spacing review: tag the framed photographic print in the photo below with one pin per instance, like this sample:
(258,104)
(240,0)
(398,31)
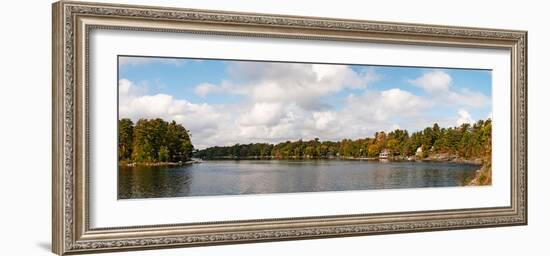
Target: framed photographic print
(179,127)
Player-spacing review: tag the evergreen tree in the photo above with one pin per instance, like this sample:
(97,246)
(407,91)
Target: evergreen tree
(125,138)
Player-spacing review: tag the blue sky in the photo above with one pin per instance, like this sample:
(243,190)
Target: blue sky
(266,101)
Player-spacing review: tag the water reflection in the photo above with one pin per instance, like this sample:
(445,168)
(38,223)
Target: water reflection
(143,182)
(276,176)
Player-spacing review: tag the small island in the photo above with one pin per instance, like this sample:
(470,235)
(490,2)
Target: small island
(153,142)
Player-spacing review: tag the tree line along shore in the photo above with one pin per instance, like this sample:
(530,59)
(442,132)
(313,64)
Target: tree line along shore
(157,142)
(466,142)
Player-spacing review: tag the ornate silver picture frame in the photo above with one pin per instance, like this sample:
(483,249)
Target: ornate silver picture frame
(74,21)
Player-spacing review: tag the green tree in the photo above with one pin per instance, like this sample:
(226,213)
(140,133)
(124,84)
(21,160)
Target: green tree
(125,138)
(154,140)
(164,154)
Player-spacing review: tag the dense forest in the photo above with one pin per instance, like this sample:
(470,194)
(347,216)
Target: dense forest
(465,142)
(153,141)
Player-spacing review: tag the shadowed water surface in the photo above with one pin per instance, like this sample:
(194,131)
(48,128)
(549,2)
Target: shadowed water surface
(281,176)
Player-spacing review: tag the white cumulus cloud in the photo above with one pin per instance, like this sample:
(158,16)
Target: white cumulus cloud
(434,82)
(464,117)
(263,113)
(303,84)
(205,88)
(439,85)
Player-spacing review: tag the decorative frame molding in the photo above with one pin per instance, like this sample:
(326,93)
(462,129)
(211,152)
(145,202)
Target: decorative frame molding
(72,23)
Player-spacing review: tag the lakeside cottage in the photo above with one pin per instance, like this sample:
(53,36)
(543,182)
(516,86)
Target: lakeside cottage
(385,153)
(419,151)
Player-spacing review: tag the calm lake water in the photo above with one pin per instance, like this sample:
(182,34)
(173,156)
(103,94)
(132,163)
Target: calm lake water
(280,176)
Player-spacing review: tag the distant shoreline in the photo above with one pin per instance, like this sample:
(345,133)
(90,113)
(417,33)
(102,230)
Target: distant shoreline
(158,164)
(395,159)
(390,159)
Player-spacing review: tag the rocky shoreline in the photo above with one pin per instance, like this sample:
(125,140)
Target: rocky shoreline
(452,158)
(482,176)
